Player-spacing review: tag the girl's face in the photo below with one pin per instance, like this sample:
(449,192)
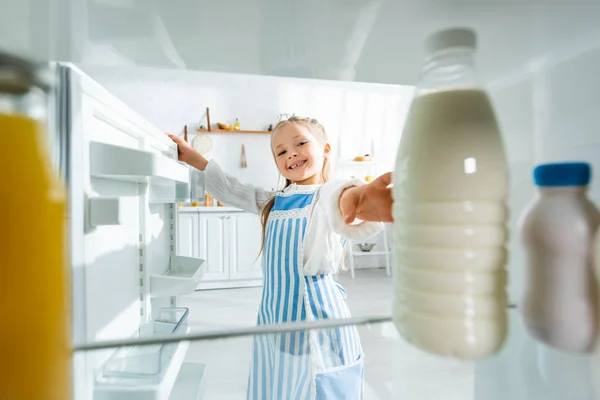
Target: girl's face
(298,154)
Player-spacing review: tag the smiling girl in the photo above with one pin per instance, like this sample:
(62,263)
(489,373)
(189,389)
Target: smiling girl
(305,226)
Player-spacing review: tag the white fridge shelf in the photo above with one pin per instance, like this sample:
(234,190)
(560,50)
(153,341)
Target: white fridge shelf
(370,253)
(182,278)
(160,193)
(146,372)
(109,210)
(123,163)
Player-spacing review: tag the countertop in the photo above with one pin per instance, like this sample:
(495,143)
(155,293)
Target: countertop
(203,209)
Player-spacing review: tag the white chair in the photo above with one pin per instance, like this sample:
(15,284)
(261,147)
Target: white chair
(385,252)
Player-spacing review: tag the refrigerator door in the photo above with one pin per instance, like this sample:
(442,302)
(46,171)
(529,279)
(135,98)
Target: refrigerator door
(122,175)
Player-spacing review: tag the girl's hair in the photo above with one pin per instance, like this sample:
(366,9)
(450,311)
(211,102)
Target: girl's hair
(317,130)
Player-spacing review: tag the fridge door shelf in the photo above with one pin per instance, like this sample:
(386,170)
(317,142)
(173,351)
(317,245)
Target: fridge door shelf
(182,278)
(127,164)
(174,193)
(146,372)
(109,210)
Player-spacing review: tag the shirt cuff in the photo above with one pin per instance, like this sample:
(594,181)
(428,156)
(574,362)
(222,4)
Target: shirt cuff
(197,184)
(355,231)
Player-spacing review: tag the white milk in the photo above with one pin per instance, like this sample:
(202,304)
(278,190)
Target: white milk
(450,233)
(560,299)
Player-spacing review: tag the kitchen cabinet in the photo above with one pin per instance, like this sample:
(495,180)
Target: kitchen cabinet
(245,234)
(214,237)
(228,241)
(188,244)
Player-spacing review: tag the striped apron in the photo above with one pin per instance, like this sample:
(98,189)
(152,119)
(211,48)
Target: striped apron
(322,364)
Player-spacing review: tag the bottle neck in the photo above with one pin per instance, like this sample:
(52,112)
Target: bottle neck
(32,104)
(447,69)
(24,87)
(548,191)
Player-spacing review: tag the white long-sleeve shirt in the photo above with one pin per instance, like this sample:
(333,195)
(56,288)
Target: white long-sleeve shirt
(323,245)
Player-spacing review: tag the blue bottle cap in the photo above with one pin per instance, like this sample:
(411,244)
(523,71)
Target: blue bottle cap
(562,174)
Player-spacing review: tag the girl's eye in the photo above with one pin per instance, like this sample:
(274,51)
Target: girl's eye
(302,143)
(281,153)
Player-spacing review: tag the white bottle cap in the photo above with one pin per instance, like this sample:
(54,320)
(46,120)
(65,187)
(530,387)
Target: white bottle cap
(451,38)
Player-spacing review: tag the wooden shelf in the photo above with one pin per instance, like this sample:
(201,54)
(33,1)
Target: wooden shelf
(367,163)
(234,131)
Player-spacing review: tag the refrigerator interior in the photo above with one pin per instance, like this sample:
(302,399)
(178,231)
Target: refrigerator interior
(123,177)
(539,60)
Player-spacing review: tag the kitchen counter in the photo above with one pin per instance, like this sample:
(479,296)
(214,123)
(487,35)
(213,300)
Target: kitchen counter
(203,209)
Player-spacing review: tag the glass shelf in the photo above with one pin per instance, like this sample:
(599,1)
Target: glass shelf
(146,372)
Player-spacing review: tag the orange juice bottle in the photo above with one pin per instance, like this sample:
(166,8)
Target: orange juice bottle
(34,331)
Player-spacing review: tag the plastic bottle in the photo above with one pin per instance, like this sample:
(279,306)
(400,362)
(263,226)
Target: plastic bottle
(208,199)
(450,186)
(559,305)
(34,339)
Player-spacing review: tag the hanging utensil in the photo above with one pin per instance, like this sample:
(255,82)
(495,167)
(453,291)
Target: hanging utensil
(207,119)
(244,163)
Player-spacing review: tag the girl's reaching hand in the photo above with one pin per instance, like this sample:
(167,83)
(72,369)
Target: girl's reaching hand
(185,152)
(371,202)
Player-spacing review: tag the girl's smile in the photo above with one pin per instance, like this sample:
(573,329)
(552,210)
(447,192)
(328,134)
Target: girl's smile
(297,164)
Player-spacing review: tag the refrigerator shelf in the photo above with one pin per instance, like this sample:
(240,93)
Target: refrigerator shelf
(182,278)
(127,164)
(145,372)
(109,210)
(168,194)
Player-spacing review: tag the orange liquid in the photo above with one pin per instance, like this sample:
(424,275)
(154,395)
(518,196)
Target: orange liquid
(34,323)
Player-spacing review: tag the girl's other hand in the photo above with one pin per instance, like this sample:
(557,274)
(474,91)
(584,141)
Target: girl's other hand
(371,202)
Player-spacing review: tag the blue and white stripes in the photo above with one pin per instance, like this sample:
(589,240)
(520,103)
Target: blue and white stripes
(337,346)
(285,365)
(283,286)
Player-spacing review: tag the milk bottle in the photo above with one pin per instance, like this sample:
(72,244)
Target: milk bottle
(450,216)
(560,299)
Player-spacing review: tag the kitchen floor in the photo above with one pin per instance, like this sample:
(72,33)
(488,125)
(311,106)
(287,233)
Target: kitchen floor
(393,369)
